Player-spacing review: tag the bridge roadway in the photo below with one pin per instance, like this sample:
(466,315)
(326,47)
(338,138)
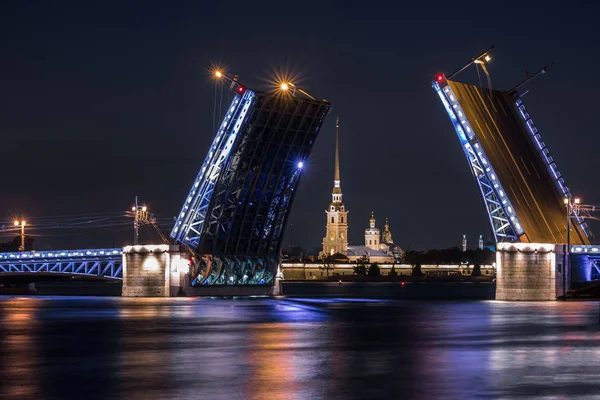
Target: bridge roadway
(525,177)
(94,263)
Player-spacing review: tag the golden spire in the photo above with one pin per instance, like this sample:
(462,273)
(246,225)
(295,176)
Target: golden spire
(337,152)
(337,190)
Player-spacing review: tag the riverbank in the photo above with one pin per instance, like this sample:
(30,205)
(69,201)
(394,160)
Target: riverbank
(395,290)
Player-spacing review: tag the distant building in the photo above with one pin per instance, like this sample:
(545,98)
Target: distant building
(335,242)
(388,246)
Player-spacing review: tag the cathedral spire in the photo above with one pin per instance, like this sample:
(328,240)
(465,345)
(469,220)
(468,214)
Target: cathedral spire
(337,189)
(336,178)
(336,237)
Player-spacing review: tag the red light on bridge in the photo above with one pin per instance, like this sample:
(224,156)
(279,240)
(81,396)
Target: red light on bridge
(440,77)
(241,89)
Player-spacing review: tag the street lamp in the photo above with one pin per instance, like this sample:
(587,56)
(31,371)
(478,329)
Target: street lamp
(571,204)
(22,224)
(140,214)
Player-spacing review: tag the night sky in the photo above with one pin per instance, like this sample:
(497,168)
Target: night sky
(103,101)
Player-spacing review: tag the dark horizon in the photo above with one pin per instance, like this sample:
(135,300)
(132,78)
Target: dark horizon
(101,103)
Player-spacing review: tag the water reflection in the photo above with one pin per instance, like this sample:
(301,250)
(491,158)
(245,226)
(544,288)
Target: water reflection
(113,348)
(545,349)
(19,353)
(270,356)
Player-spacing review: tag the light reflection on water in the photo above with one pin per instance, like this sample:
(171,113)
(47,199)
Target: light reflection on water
(115,348)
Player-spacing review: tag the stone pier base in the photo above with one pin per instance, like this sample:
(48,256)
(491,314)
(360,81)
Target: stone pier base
(162,271)
(529,271)
(154,271)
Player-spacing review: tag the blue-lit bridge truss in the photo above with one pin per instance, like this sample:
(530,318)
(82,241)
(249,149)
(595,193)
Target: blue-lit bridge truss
(94,263)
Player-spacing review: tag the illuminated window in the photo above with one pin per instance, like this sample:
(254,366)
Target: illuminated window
(332,235)
(332,250)
(342,235)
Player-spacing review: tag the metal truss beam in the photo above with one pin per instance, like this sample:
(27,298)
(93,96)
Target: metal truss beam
(551,166)
(503,219)
(191,219)
(97,263)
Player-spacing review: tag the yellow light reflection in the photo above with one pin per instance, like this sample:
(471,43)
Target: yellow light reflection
(20,349)
(271,362)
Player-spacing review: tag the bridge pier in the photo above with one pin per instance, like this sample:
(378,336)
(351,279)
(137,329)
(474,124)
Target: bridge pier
(154,271)
(530,271)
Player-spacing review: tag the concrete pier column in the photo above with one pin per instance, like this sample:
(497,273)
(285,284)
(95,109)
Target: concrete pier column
(154,270)
(529,271)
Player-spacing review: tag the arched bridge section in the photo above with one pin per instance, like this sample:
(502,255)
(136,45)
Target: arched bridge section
(234,216)
(92,263)
(519,181)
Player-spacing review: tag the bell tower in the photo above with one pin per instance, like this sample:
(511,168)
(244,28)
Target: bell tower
(372,234)
(336,236)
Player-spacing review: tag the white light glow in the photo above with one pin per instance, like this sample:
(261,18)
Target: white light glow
(151,264)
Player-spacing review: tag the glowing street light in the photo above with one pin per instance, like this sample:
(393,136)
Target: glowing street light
(300,165)
(284,86)
(22,224)
(218,74)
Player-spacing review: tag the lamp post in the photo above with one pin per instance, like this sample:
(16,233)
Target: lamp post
(140,214)
(22,225)
(571,204)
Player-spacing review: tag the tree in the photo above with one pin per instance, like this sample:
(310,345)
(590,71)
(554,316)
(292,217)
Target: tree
(294,252)
(360,268)
(416,271)
(393,271)
(326,264)
(13,245)
(374,270)
(476,270)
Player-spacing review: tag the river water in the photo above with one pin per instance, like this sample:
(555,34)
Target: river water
(261,348)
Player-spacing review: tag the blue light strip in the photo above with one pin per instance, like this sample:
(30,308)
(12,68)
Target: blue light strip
(502,216)
(53,254)
(188,225)
(551,166)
